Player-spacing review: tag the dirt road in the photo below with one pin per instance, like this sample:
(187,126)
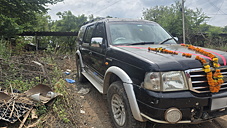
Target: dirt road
(96,114)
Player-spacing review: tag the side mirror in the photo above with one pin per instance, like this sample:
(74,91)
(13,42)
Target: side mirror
(96,41)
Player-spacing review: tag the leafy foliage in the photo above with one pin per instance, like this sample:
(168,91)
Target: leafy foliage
(170,17)
(67,23)
(19,15)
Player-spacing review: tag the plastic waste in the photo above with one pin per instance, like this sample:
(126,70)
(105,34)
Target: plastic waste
(84,91)
(50,94)
(70,81)
(35,97)
(67,73)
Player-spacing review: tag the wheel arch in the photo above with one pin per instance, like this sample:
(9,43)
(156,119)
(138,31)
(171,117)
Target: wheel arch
(121,75)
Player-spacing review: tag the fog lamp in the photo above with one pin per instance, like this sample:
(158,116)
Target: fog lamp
(173,115)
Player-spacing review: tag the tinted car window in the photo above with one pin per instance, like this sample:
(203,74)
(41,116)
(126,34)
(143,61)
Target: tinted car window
(126,33)
(88,34)
(99,30)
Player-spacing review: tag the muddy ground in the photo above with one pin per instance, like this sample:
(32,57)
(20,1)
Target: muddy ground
(90,110)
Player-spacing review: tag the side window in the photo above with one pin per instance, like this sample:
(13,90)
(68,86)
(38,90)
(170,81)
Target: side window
(88,34)
(99,30)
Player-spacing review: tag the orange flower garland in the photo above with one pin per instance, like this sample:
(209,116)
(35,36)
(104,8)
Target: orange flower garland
(163,50)
(214,80)
(187,55)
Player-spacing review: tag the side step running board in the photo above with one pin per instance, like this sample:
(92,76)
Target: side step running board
(97,85)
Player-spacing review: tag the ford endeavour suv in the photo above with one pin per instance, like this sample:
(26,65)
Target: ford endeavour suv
(147,76)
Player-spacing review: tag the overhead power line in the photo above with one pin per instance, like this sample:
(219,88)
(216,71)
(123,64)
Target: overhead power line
(216,14)
(218,9)
(107,6)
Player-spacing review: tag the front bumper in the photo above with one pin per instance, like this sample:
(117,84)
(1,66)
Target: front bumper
(194,107)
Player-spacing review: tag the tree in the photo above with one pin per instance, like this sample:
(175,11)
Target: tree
(170,17)
(67,23)
(17,15)
(225,29)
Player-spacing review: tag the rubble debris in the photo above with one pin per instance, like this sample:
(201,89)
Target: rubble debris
(43,69)
(68,70)
(12,111)
(67,73)
(4,96)
(35,97)
(84,91)
(33,114)
(82,111)
(15,105)
(34,124)
(41,93)
(25,118)
(50,94)
(70,80)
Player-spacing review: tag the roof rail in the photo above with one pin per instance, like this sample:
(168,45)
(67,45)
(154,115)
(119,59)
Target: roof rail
(92,20)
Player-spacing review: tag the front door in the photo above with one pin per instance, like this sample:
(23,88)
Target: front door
(98,50)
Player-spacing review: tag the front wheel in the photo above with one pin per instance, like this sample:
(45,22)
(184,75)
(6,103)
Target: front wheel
(119,107)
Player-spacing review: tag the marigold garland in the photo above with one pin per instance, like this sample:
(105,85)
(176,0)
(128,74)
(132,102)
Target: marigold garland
(163,50)
(214,79)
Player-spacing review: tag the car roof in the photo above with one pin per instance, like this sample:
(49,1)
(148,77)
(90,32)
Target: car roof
(107,20)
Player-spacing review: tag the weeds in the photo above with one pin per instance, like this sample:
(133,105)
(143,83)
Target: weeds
(5,50)
(22,85)
(19,73)
(61,103)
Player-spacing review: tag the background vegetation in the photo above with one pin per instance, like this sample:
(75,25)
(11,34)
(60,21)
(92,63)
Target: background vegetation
(17,16)
(23,15)
(197,31)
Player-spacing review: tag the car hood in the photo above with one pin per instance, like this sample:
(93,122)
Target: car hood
(170,62)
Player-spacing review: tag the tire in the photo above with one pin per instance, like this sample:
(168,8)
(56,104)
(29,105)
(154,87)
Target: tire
(119,108)
(79,75)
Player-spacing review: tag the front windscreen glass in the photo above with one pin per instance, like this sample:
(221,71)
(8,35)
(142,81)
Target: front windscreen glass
(132,33)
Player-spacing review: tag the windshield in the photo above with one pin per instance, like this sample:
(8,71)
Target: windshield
(131,33)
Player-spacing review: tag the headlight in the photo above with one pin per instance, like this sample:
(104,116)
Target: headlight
(173,81)
(165,81)
(152,81)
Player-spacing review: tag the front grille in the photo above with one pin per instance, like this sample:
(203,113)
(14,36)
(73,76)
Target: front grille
(198,81)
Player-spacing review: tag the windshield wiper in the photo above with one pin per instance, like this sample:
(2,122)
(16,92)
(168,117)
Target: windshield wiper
(166,40)
(141,43)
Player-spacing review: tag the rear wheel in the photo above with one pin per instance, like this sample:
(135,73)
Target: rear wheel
(119,108)
(79,74)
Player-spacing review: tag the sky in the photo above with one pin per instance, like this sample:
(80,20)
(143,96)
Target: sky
(215,9)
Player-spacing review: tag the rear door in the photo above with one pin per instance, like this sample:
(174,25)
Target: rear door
(85,46)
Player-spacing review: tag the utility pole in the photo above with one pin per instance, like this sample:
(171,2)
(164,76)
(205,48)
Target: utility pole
(183,23)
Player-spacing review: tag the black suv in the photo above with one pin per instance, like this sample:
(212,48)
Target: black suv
(147,76)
